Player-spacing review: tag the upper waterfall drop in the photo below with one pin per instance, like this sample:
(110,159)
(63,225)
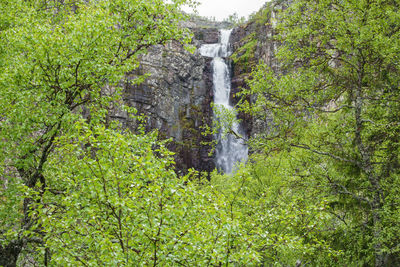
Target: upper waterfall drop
(230,150)
(220,49)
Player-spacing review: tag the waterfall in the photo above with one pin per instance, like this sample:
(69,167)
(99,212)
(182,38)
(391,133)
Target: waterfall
(230,150)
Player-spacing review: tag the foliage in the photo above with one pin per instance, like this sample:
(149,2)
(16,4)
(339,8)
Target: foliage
(235,20)
(336,97)
(60,60)
(114,199)
(285,220)
(262,16)
(245,53)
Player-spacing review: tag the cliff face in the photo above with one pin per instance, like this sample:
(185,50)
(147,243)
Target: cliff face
(252,43)
(176,97)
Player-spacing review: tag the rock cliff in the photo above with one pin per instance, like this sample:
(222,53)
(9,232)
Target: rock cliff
(252,43)
(176,97)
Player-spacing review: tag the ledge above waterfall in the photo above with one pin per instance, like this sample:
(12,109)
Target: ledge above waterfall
(221,49)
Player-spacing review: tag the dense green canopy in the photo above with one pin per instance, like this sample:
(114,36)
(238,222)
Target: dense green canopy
(336,102)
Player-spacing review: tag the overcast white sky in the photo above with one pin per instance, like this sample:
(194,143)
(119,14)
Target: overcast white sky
(221,9)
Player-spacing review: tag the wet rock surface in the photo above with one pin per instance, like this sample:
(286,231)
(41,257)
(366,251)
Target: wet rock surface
(257,36)
(177,94)
(176,97)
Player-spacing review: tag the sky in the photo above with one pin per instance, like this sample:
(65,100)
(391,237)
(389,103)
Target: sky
(221,9)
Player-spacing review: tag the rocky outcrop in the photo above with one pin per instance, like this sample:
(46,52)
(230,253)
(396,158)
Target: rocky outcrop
(254,42)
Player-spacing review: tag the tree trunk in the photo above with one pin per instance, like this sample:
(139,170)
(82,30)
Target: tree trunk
(367,167)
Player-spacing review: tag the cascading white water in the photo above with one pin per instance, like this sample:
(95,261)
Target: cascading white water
(230,150)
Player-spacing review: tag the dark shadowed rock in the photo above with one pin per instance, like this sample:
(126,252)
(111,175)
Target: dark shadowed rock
(176,100)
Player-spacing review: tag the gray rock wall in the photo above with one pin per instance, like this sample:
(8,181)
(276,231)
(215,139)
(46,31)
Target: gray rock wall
(176,97)
(257,36)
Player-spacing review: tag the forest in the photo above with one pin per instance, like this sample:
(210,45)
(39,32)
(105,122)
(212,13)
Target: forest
(321,185)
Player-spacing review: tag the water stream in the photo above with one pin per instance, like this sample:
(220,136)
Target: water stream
(230,150)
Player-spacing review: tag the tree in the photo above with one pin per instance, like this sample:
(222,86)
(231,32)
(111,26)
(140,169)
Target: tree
(119,202)
(57,60)
(285,221)
(336,98)
(235,19)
